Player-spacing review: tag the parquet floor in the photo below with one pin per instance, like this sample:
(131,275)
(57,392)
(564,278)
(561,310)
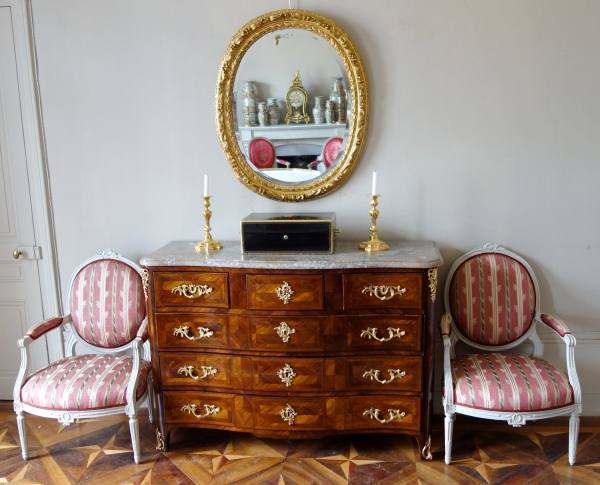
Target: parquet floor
(97,451)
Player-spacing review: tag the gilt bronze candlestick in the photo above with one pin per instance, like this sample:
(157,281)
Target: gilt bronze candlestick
(373,244)
(207,243)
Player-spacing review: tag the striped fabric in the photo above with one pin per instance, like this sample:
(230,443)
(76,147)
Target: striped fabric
(41,328)
(492,299)
(509,382)
(107,303)
(83,382)
(445,324)
(555,323)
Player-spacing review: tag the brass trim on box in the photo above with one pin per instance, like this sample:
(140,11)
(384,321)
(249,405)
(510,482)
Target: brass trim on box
(145,281)
(286,374)
(432,276)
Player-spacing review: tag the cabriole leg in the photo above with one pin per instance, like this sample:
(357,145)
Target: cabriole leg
(448,430)
(22,424)
(150,399)
(573,437)
(135,437)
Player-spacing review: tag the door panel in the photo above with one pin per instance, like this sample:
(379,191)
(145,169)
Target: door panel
(20,297)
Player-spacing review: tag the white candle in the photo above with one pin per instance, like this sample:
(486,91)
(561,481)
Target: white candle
(374,189)
(205,185)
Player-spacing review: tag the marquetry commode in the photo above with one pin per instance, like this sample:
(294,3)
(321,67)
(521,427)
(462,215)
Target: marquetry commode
(293,346)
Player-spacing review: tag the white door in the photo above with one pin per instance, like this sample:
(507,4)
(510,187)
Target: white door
(20,293)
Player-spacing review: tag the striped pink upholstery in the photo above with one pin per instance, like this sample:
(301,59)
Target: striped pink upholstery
(509,382)
(83,382)
(556,324)
(492,299)
(41,328)
(107,303)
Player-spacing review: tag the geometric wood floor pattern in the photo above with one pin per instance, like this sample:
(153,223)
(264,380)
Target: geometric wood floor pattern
(98,451)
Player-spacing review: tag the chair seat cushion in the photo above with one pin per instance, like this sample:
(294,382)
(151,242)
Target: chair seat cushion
(83,382)
(509,382)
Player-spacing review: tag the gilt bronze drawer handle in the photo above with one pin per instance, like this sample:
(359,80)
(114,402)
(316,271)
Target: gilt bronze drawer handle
(374,374)
(184,331)
(192,291)
(384,292)
(371,332)
(286,374)
(288,414)
(284,331)
(374,414)
(210,409)
(189,370)
(284,292)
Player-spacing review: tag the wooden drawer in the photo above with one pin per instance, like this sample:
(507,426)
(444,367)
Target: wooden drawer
(285,292)
(386,374)
(285,374)
(384,332)
(286,333)
(192,289)
(383,291)
(301,414)
(191,331)
(202,370)
(383,408)
(180,408)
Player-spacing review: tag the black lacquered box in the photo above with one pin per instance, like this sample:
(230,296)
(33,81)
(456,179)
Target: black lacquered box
(309,232)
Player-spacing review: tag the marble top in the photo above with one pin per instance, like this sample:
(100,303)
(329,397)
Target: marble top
(402,254)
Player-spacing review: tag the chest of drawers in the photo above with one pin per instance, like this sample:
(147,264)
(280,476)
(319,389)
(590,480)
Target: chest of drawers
(293,346)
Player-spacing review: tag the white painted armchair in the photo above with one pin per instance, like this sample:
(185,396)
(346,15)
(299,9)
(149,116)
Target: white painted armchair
(492,304)
(107,311)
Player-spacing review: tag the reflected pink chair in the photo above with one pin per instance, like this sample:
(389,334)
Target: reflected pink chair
(331,150)
(262,154)
(493,304)
(107,312)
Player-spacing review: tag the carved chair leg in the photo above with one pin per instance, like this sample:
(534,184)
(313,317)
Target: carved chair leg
(150,399)
(22,424)
(135,437)
(448,430)
(573,437)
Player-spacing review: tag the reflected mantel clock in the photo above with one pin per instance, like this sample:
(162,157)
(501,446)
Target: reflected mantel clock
(296,100)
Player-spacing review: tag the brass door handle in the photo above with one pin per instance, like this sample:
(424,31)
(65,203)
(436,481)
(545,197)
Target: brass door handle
(192,408)
(374,374)
(371,332)
(16,254)
(374,414)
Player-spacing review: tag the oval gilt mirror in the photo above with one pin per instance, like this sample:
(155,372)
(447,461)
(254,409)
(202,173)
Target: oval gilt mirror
(291,105)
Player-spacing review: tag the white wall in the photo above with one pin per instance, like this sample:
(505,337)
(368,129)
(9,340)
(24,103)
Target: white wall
(484,127)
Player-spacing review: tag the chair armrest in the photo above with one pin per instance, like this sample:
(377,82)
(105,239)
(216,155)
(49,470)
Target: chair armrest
(41,328)
(284,162)
(143,330)
(555,324)
(445,326)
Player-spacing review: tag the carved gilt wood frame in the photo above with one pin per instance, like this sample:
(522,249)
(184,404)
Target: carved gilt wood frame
(357,128)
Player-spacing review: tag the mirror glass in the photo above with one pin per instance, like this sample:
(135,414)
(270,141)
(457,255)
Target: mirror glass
(291,105)
(291,75)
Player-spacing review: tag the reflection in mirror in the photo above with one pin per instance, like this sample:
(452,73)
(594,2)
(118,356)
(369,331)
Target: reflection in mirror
(296,76)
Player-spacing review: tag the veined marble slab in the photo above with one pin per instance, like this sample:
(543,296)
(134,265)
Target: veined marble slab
(402,254)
